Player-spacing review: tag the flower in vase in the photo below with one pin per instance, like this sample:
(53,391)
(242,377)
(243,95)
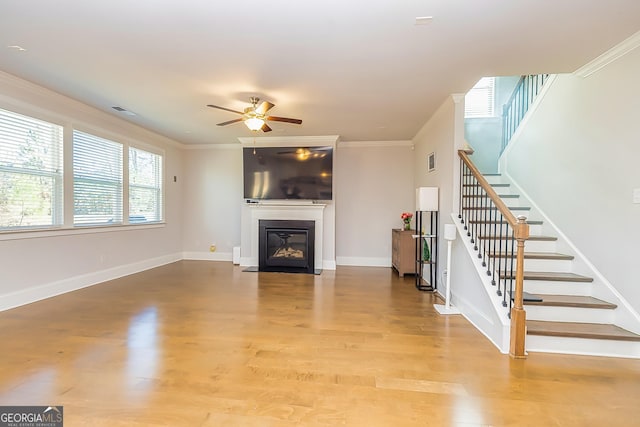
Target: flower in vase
(406,218)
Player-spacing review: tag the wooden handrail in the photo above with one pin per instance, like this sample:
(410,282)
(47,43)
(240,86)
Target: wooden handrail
(521,234)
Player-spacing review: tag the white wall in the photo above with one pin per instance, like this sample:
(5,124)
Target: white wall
(213,204)
(50,263)
(374,185)
(443,135)
(212,201)
(577,158)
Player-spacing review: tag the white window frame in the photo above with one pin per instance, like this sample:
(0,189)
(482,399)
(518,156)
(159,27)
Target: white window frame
(64,182)
(157,186)
(479,102)
(113,182)
(55,171)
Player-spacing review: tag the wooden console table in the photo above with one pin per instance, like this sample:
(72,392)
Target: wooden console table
(403,251)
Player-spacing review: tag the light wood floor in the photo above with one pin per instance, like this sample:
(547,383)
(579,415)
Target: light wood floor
(205,344)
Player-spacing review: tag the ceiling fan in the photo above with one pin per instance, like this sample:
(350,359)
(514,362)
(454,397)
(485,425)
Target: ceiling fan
(255,117)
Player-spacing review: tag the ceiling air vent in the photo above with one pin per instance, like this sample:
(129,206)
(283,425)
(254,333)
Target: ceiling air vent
(124,111)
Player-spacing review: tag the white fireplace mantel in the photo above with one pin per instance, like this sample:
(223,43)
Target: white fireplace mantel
(254,212)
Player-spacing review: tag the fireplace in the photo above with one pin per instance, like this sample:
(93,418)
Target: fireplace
(286,246)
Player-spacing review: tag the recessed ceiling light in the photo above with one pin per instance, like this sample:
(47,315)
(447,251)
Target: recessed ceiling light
(18,48)
(423,20)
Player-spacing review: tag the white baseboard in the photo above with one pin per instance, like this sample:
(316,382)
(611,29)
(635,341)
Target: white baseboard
(208,256)
(48,290)
(363,261)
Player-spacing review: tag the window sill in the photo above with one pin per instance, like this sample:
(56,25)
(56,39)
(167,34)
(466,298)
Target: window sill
(69,231)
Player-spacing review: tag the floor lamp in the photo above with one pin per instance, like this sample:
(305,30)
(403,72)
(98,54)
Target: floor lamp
(450,236)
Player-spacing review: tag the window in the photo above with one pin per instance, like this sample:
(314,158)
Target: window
(30,172)
(145,186)
(97,180)
(479,101)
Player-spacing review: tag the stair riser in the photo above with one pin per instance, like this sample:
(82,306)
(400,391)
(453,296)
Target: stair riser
(557,266)
(535,265)
(494,179)
(557,288)
(488,229)
(594,347)
(569,314)
(540,246)
(530,245)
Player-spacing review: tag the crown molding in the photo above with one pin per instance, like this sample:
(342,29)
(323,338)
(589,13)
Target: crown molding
(211,147)
(457,97)
(609,56)
(289,141)
(364,144)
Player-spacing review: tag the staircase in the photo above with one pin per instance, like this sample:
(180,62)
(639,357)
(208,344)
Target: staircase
(562,313)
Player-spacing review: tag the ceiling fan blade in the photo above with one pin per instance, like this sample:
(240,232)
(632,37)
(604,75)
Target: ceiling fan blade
(283,119)
(265,128)
(225,109)
(229,122)
(264,107)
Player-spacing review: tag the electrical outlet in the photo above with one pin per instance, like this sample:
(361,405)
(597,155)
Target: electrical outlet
(212,248)
(636,195)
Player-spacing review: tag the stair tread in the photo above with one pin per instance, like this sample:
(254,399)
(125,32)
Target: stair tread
(536,255)
(531,237)
(580,330)
(549,275)
(581,301)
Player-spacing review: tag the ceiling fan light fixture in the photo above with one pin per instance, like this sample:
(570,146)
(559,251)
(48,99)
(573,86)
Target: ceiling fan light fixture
(254,123)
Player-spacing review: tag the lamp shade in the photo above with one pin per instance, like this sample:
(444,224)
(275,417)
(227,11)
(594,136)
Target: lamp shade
(449,232)
(427,199)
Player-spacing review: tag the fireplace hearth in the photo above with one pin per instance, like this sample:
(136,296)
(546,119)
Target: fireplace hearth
(286,246)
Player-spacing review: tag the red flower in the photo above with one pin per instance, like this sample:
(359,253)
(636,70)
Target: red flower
(406,216)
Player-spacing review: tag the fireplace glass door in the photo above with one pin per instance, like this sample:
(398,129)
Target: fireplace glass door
(286,246)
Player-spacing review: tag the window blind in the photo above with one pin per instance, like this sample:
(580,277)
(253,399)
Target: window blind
(479,101)
(97,180)
(31,183)
(145,186)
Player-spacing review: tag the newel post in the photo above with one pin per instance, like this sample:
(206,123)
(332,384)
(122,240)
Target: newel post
(518,315)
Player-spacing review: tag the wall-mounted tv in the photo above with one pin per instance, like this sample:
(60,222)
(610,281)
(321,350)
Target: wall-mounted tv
(278,173)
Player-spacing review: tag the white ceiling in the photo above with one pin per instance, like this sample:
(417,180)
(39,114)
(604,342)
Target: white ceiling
(360,69)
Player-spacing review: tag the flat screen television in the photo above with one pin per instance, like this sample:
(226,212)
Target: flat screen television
(280,173)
